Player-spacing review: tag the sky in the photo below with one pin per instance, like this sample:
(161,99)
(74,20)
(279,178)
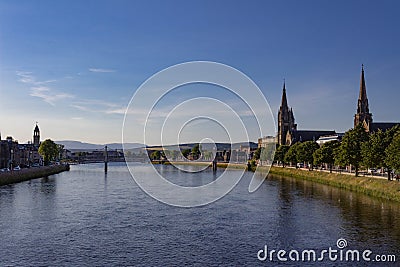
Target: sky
(73,66)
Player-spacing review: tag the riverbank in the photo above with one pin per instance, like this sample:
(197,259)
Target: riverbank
(374,187)
(222,165)
(371,186)
(31,173)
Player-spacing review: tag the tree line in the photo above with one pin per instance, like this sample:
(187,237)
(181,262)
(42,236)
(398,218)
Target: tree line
(380,149)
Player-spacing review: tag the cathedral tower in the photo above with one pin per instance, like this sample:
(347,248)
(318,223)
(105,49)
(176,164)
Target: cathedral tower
(36,136)
(286,121)
(363,115)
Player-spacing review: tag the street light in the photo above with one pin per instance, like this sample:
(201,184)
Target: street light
(11,160)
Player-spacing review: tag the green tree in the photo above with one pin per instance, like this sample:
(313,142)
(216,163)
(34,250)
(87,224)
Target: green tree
(186,152)
(280,154)
(48,150)
(291,155)
(349,151)
(60,149)
(393,154)
(196,150)
(305,153)
(374,151)
(156,155)
(325,154)
(257,153)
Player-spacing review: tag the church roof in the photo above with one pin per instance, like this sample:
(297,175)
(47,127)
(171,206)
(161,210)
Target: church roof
(309,135)
(382,126)
(36,128)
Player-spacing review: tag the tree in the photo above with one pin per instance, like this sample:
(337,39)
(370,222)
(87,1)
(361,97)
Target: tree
(186,152)
(257,153)
(157,155)
(60,150)
(280,154)
(393,154)
(325,154)
(374,151)
(48,150)
(208,155)
(305,152)
(291,155)
(349,151)
(196,151)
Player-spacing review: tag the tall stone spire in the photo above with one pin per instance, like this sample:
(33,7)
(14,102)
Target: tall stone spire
(285,119)
(362,98)
(284,99)
(363,115)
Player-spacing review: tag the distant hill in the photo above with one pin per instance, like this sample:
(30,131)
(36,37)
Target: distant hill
(77,145)
(82,146)
(220,146)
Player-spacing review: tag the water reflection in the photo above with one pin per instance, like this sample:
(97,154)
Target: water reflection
(87,217)
(365,220)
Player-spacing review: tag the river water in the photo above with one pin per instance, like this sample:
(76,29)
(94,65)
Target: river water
(86,218)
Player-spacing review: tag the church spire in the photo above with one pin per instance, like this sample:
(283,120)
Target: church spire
(363,115)
(284,99)
(286,121)
(362,98)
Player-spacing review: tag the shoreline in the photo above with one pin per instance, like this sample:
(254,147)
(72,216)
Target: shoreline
(374,187)
(223,165)
(13,177)
(367,185)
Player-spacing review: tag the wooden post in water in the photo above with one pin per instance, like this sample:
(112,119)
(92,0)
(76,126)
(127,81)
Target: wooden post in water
(105,160)
(214,162)
(214,165)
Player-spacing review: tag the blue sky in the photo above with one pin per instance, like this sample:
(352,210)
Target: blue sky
(74,65)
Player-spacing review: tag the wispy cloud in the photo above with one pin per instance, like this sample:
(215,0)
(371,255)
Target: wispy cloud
(27,77)
(37,88)
(47,95)
(97,106)
(101,70)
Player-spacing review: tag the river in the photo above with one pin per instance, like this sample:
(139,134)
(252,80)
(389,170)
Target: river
(87,218)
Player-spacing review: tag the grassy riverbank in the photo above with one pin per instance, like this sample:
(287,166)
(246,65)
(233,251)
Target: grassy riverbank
(370,186)
(381,188)
(31,173)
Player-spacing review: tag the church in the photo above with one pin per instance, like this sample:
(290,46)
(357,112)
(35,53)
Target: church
(287,128)
(363,115)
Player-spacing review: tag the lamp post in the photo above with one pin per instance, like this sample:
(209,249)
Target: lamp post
(30,158)
(11,160)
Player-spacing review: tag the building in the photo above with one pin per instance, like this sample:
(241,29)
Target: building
(5,153)
(363,115)
(287,128)
(327,138)
(13,154)
(286,122)
(264,141)
(36,136)
(306,135)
